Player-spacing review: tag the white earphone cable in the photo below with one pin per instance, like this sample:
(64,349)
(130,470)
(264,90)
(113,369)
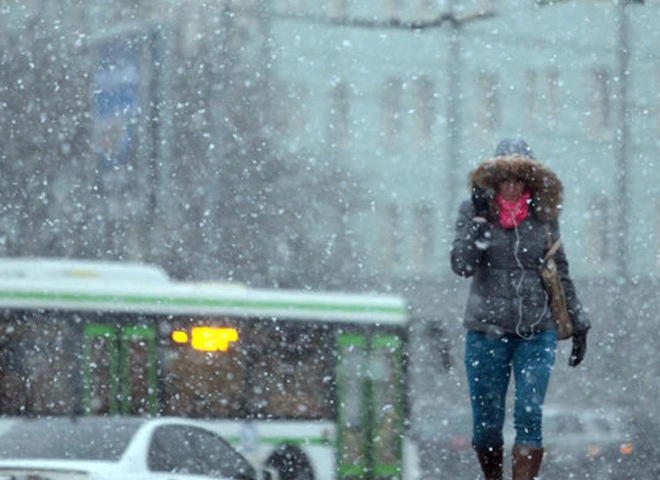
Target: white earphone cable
(519,322)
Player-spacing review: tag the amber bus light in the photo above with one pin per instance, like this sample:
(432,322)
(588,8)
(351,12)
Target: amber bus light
(179,336)
(207,339)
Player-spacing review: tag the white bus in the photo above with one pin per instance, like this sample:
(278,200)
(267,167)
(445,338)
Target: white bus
(310,384)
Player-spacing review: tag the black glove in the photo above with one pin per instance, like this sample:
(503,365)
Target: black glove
(481,200)
(579,349)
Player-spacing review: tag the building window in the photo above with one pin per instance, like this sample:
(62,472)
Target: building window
(424,109)
(296,5)
(531,96)
(423,236)
(390,236)
(600,108)
(296,115)
(425,9)
(657,235)
(553,100)
(488,115)
(657,97)
(289,6)
(298,96)
(542,97)
(598,240)
(291,112)
(391,112)
(339,9)
(394,9)
(339,125)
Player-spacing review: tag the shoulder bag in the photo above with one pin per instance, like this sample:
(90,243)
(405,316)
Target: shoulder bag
(555,289)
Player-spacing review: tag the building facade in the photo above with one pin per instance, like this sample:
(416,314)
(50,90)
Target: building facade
(414,109)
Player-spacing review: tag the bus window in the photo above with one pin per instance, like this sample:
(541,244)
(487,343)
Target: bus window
(138,370)
(352,444)
(292,371)
(199,384)
(100,360)
(36,364)
(370,392)
(258,375)
(386,375)
(119,367)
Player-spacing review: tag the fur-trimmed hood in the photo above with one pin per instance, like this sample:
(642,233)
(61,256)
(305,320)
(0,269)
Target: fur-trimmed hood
(543,184)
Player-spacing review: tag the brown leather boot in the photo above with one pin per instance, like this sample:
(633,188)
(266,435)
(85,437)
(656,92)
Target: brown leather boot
(526,462)
(491,461)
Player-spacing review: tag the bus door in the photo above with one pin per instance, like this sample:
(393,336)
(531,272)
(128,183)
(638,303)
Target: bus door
(119,370)
(370,407)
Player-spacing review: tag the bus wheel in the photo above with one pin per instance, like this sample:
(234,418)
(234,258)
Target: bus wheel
(291,463)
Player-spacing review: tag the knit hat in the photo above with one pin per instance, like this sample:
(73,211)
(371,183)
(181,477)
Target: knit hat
(508,147)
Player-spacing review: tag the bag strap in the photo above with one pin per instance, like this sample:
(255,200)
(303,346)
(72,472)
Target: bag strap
(552,247)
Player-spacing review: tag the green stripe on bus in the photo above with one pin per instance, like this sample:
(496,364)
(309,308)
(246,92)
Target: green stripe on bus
(351,470)
(388,341)
(191,302)
(391,471)
(96,330)
(346,340)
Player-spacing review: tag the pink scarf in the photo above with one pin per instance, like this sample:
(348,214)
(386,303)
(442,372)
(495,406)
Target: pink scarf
(513,213)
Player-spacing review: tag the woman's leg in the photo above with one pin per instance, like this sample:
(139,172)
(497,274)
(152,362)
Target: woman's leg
(533,360)
(488,366)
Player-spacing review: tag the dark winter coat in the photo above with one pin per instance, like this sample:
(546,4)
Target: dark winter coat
(506,294)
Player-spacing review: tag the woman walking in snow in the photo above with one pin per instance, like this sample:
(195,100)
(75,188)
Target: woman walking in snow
(500,241)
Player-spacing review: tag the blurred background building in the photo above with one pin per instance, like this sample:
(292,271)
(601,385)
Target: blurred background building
(326,145)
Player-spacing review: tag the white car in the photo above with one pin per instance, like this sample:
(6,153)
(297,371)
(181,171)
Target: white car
(118,448)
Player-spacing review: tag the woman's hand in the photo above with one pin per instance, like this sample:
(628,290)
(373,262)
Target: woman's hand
(579,349)
(480,201)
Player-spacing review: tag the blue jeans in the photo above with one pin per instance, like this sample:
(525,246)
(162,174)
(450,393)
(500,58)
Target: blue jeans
(489,361)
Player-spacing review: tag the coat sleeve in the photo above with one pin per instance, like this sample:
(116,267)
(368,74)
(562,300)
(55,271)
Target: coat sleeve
(470,241)
(578,314)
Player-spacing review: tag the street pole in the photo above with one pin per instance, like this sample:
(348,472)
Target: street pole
(453,117)
(622,138)
(211,264)
(621,283)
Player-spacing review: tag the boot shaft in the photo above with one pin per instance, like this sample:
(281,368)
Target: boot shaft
(491,461)
(526,462)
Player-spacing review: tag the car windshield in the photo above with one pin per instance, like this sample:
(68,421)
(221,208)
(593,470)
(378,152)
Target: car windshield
(68,439)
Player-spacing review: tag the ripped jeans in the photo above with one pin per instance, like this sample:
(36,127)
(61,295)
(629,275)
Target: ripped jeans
(489,361)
